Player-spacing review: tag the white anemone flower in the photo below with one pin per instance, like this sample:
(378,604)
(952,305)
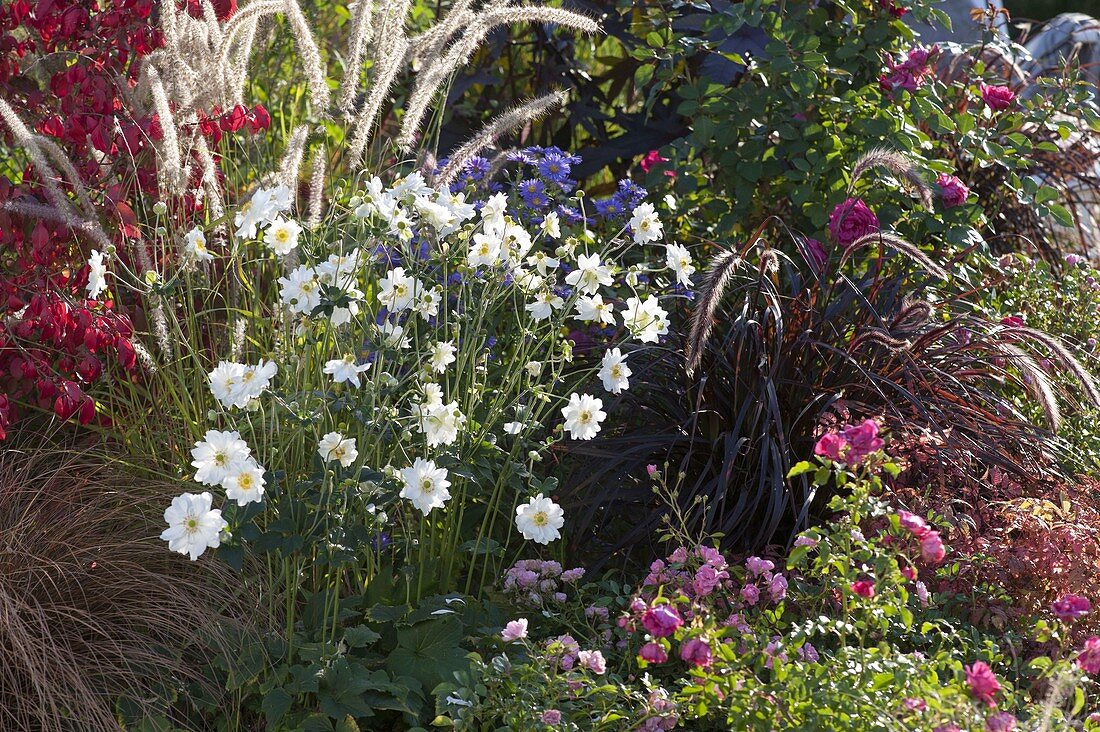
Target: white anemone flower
(614,372)
(97,275)
(647,320)
(219,455)
(540,520)
(645,224)
(193,526)
(441,423)
(334,446)
(282,236)
(301,290)
(345,370)
(265,205)
(397,290)
(427,303)
(546,302)
(246,485)
(195,245)
(484,250)
(425,485)
(393,336)
(253,381)
(589,274)
(492,211)
(443,355)
(678,259)
(542,262)
(224,381)
(583,415)
(551,225)
(592,308)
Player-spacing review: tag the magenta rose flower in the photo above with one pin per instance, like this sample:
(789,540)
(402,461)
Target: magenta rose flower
(1071,607)
(931,547)
(759,566)
(912,522)
(750,594)
(816,252)
(952,190)
(1000,722)
(831,445)
(982,682)
(1088,660)
(997,97)
(661,621)
(653,652)
(696,652)
(864,588)
(851,220)
(863,439)
(551,716)
(706,579)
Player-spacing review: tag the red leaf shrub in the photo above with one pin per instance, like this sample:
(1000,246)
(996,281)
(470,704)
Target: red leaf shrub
(65,66)
(1018,548)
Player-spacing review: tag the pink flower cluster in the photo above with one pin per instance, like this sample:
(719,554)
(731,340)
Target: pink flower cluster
(931,543)
(534,582)
(910,73)
(852,444)
(567,653)
(1088,660)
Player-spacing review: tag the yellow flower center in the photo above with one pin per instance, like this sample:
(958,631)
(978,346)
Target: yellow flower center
(244,480)
(540,519)
(426,485)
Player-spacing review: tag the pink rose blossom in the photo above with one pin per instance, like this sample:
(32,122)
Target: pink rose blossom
(707,578)
(777,588)
(931,547)
(653,652)
(863,439)
(551,716)
(997,97)
(952,191)
(696,652)
(1088,660)
(982,682)
(1071,607)
(515,630)
(661,621)
(912,522)
(864,588)
(851,220)
(1000,722)
(831,445)
(651,159)
(759,566)
(750,594)
(651,470)
(808,653)
(914,704)
(593,661)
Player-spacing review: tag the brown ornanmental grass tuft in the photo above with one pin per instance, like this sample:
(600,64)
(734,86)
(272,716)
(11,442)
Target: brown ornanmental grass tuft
(93,607)
(718,277)
(897,164)
(499,126)
(898,244)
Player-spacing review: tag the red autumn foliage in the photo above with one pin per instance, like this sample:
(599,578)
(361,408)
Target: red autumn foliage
(65,66)
(1018,548)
